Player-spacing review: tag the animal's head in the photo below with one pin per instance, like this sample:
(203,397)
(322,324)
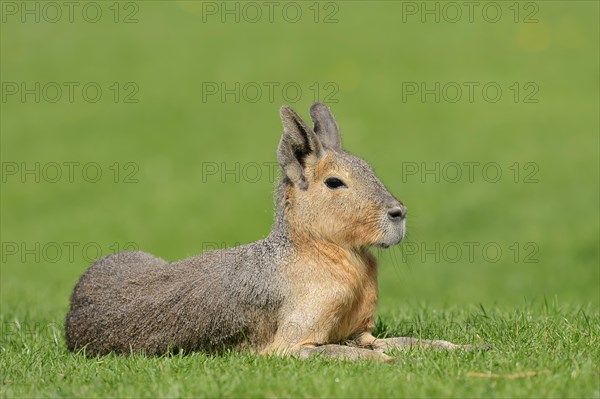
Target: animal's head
(329,193)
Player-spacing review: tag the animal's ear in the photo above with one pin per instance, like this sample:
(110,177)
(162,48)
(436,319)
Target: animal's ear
(325,126)
(297,143)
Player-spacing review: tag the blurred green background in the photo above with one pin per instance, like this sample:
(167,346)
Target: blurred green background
(361,63)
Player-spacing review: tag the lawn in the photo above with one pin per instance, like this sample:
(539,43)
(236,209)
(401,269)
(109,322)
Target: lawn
(154,125)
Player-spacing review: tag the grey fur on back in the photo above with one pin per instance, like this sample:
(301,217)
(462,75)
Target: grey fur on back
(136,302)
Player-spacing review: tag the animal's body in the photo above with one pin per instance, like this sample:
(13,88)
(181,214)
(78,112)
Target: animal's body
(306,289)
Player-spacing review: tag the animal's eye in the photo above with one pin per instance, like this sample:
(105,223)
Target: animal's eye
(334,182)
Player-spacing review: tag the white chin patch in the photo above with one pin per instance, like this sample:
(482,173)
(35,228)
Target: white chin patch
(395,236)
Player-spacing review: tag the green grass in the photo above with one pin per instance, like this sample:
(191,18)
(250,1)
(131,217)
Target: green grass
(541,316)
(540,350)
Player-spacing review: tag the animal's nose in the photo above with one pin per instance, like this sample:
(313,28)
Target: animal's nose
(397,213)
